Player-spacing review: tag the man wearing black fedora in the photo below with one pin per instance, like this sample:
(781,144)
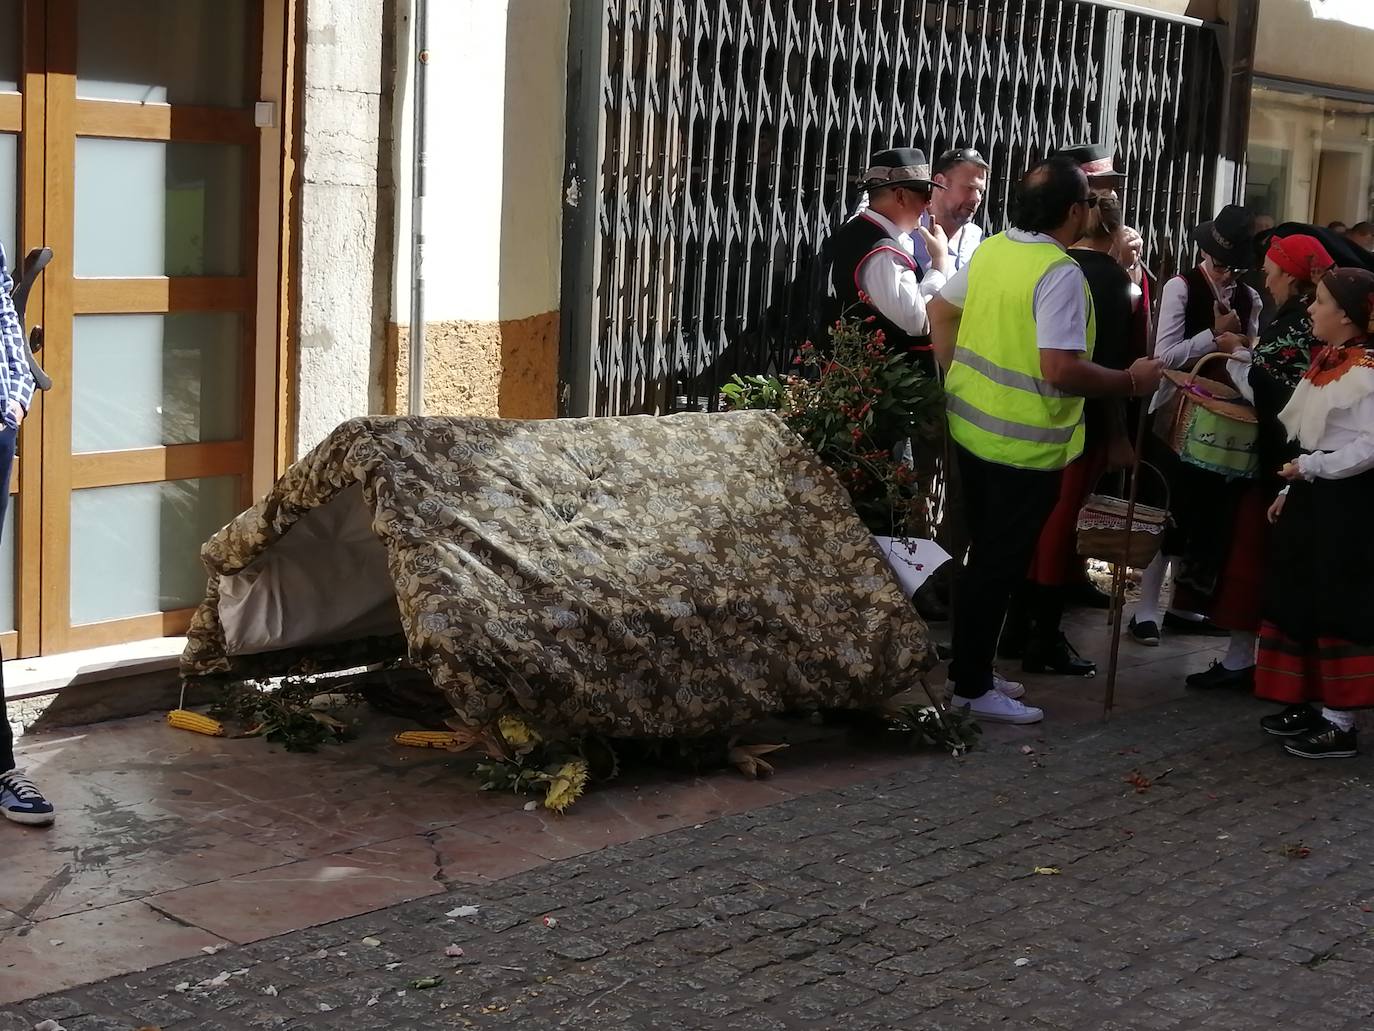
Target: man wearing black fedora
(1206,309)
(873,270)
(1098,164)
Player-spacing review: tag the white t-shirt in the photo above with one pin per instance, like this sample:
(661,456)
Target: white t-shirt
(1061,303)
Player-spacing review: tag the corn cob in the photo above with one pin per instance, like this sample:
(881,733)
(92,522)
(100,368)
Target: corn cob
(185,719)
(429,738)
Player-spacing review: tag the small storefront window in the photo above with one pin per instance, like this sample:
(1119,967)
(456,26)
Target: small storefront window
(1310,158)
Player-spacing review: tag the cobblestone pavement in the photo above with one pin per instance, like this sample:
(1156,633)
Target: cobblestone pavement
(1172,869)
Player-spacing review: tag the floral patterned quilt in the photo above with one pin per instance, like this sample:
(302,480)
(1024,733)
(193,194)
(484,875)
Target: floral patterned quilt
(637,577)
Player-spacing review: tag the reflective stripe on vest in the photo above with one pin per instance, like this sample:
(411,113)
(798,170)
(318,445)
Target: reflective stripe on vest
(1007,377)
(999,405)
(1006,428)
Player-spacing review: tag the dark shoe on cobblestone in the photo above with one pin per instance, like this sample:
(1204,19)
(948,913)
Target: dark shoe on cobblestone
(1328,743)
(1218,676)
(1146,633)
(1294,721)
(1057,656)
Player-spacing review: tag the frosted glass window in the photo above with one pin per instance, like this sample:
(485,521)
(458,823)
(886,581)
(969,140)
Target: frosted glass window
(136,548)
(9,45)
(163,51)
(149,380)
(158,209)
(7,536)
(9,199)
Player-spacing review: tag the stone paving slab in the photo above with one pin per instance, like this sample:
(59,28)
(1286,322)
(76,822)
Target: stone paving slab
(1191,876)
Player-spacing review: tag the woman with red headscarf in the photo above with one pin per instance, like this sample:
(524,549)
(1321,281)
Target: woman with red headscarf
(1265,371)
(1317,639)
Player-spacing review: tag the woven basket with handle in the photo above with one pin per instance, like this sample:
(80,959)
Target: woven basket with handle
(1208,424)
(1102,527)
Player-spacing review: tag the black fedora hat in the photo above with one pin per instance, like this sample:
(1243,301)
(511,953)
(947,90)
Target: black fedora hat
(901,166)
(1229,237)
(1095,159)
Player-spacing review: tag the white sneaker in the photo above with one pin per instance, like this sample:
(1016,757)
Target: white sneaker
(1010,688)
(995,707)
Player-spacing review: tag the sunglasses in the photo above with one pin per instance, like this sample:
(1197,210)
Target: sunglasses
(1090,201)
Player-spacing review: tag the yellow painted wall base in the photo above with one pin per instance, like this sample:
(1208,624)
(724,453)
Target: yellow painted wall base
(507,369)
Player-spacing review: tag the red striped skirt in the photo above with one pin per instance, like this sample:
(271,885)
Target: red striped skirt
(1334,672)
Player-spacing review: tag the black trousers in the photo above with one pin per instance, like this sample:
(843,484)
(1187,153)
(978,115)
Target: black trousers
(7,439)
(1005,509)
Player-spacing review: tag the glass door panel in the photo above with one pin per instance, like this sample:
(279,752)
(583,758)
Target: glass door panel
(150,307)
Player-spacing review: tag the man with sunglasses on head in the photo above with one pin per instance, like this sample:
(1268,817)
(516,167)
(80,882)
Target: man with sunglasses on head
(873,270)
(962,175)
(1015,329)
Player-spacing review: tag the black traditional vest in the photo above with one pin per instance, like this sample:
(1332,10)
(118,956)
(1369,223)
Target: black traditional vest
(852,243)
(1198,313)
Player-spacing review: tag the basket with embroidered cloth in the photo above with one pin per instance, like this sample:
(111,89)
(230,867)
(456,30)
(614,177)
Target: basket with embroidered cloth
(1208,424)
(1102,527)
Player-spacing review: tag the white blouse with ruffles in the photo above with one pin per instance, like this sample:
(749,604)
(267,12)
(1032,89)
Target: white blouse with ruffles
(1334,423)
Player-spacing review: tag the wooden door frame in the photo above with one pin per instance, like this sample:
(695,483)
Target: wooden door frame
(257,294)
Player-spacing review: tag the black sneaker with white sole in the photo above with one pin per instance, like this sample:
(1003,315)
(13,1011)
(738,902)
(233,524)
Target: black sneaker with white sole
(1294,721)
(1330,742)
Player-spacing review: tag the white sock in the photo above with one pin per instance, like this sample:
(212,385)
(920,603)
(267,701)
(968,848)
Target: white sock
(1241,654)
(1339,719)
(1151,587)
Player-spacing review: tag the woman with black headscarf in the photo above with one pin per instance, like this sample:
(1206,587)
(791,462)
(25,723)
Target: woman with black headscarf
(1317,639)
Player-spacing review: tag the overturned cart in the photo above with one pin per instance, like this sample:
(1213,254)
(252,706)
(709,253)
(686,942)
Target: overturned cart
(631,577)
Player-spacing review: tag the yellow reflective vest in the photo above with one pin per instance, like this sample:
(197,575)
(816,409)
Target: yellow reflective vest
(998,404)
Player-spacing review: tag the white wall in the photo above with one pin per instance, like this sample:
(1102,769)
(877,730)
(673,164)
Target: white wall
(494,157)
(342,202)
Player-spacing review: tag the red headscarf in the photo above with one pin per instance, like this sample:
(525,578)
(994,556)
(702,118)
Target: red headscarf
(1302,257)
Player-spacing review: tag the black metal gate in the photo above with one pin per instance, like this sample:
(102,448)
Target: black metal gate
(713,144)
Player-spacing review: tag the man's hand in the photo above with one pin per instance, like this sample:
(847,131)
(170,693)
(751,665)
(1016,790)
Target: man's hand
(1290,472)
(937,246)
(1224,320)
(16,412)
(1120,453)
(1145,376)
(1276,509)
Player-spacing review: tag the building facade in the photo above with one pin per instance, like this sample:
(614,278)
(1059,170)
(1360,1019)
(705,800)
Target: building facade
(227,188)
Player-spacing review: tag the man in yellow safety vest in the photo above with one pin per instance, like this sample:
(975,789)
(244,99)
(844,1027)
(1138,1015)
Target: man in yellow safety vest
(1015,330)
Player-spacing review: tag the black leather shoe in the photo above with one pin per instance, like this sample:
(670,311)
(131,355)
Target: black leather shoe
(1218,676)
(1326,743)
(1294,721)
(1196,627)
(1146,633)
(928,603)
(1057,656)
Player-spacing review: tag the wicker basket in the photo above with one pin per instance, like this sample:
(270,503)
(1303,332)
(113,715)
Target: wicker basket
(1102,528)
(1208,424)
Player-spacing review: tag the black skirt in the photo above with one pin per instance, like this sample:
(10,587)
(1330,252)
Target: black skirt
(1202,510)
(1321,570)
